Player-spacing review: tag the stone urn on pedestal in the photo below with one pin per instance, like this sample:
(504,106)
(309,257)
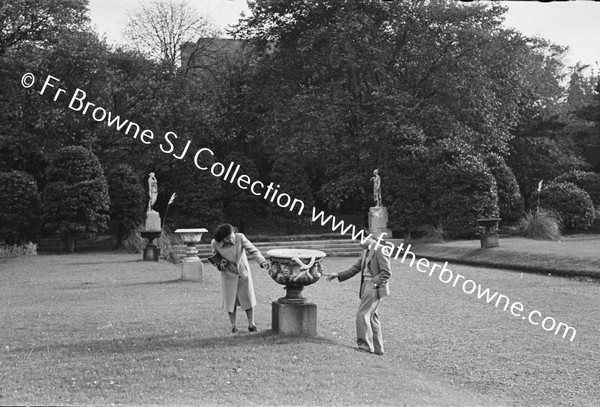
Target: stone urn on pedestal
(191,265)
(293,314)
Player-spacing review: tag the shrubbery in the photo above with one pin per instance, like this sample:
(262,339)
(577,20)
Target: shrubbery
(510,201)
(20,208)
(541,224)
(572,203)
(127,201)
(15,250)
(463,190)
(448,190)
(76,197)
(588,181)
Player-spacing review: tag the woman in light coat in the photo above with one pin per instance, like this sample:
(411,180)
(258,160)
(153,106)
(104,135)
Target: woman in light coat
(236,278)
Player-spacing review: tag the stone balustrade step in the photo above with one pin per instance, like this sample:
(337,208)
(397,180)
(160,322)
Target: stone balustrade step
(333,248)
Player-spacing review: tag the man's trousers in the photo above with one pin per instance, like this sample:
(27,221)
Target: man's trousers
(368,329)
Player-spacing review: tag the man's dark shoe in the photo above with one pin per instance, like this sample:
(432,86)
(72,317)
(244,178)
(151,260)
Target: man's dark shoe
(234,329)
(253,329)
(362,349)
(380,353)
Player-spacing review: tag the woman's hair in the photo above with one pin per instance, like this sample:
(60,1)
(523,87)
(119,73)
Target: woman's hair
(223,231)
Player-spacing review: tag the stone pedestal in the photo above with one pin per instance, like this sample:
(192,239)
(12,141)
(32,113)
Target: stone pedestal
(153,221)
(191,271)
(294,318)
(378,220)
(488,241)
(489,236)
(151,251)
(191,265)
(295,268)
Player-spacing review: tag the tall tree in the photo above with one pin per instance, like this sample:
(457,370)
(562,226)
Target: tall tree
(159,28)
(343,82)
(127,201)
(76,201)
(26,21)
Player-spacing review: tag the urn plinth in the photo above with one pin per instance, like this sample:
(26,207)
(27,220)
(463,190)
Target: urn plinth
(489,237)
(295,269)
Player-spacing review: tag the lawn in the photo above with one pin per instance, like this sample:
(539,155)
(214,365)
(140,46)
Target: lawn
(107,328)
(573,255)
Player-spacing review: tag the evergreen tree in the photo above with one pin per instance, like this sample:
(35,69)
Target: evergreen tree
(20,209)
(76,200)
(127,201)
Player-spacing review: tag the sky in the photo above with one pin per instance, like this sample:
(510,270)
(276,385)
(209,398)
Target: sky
(575,24)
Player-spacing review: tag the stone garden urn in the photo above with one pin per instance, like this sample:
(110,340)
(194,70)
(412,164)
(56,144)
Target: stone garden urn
(191,265)
(295,269)
(191,237)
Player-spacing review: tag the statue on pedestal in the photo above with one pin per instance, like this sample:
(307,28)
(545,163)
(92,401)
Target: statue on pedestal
(153,228)
(152,190)
(378,215)
(376,180)
(152,217)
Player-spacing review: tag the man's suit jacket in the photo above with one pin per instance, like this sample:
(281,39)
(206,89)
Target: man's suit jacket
(379,265)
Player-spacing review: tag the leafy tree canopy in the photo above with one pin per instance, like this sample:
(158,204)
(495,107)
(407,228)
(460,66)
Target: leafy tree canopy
(345,83)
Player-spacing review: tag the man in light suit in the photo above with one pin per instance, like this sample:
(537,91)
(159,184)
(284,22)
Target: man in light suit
(374,268)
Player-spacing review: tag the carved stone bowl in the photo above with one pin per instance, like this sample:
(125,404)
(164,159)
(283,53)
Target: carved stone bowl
(295,267)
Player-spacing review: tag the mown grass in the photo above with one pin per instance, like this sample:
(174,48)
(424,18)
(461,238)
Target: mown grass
(102,329)
(577,255)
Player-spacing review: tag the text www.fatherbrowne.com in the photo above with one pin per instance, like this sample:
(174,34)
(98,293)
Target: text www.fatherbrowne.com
(447,276)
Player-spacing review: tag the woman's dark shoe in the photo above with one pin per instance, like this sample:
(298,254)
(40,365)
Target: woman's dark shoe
(234,329)
(253,329)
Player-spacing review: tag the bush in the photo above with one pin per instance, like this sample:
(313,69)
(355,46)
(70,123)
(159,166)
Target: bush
(541,224)
(441,185)
(127,201)
(572,203)
(431,234)
(510,201)
(165,243)
(76,197)
(133,242)
(462,190)
(406,189)
(588,181)
(20,209)
(24,249)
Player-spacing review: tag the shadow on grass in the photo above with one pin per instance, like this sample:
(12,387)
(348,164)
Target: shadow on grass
(177,280)
(90,285)
(167,342)
(86,263)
